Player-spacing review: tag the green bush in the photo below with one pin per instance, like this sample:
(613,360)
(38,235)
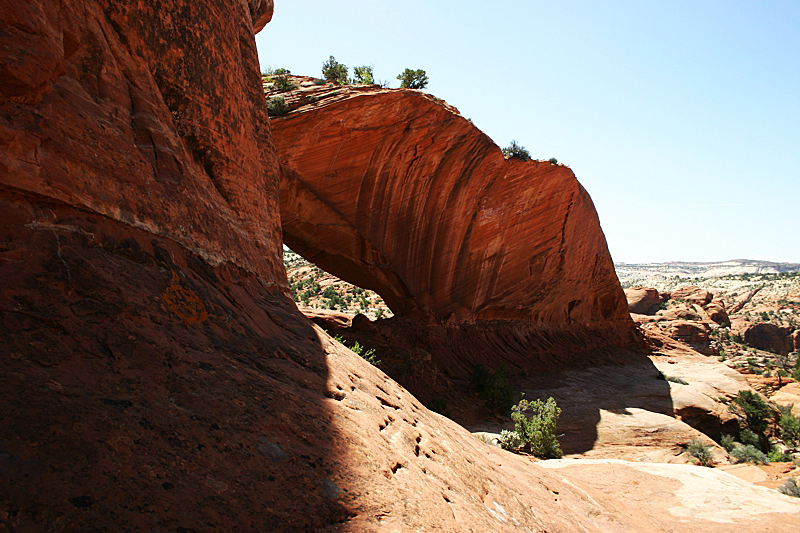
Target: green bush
(790,426)
(334,71)
(700,451)
(727,442)
(277,106)
(281,82)
(511,440)
(749,454)
(748,437)
(536,433)
(356,348)
(494,389)
(790,488)
(413,79)
(777,456)
(553,161)
(363,75)
(755,413)
(517,151)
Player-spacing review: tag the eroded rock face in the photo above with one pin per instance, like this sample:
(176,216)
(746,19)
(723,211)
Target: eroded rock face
(396,192)
(769,337)
(125,111)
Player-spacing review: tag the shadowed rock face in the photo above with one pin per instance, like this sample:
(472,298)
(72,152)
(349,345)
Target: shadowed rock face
(396,192)
(122,109)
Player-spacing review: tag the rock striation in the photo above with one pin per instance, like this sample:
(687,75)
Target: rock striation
(111,114)
(394,191)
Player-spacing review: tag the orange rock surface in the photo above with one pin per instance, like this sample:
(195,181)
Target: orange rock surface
(126,112)
(155,375)
(397,192)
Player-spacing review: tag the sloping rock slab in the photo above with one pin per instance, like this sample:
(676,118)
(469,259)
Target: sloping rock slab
(685,498)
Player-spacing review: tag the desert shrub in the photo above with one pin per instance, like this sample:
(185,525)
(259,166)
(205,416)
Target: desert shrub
(790,488)
(356,348)
(727,442)
(536,433)
(790,426)
(486,439)
(281,82)
(511,440)
(334,71)
(378,313)
(277,106)
(413,79)
(553,161)
(673,379)
(363,75)
(754,411)
(329,292)
(748,437)
(700,451)
(517,151)
(493,388)
(777,456)
(367,355)
(747,453)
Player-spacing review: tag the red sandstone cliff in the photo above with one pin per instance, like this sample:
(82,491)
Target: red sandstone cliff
(120,109)
(154,375)
(395,191)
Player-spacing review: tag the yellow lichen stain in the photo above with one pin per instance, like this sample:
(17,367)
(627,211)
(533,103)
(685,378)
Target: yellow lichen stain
(184,302)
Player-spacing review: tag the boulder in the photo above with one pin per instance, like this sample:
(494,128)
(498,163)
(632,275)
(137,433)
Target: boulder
(770,337)
(694,334)
(788,395)
(643,301)
(692,293)
(716,312)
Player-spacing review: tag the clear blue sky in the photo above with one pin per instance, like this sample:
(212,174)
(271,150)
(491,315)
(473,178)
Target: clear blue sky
(681,118)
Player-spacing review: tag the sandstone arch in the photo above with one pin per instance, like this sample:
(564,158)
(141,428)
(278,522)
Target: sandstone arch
(395,191)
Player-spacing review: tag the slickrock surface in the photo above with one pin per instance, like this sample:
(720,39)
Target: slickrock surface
(396,192)
(156,377)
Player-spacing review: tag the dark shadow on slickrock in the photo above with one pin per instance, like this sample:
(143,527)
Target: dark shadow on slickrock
(145,390)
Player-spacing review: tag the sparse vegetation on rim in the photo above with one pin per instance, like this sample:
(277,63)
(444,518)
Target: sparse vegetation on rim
(334,71)
(413,79)
(363,75)
(517,151)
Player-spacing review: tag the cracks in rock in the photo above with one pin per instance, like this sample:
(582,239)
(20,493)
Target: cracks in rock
(61,257)
(562,249)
